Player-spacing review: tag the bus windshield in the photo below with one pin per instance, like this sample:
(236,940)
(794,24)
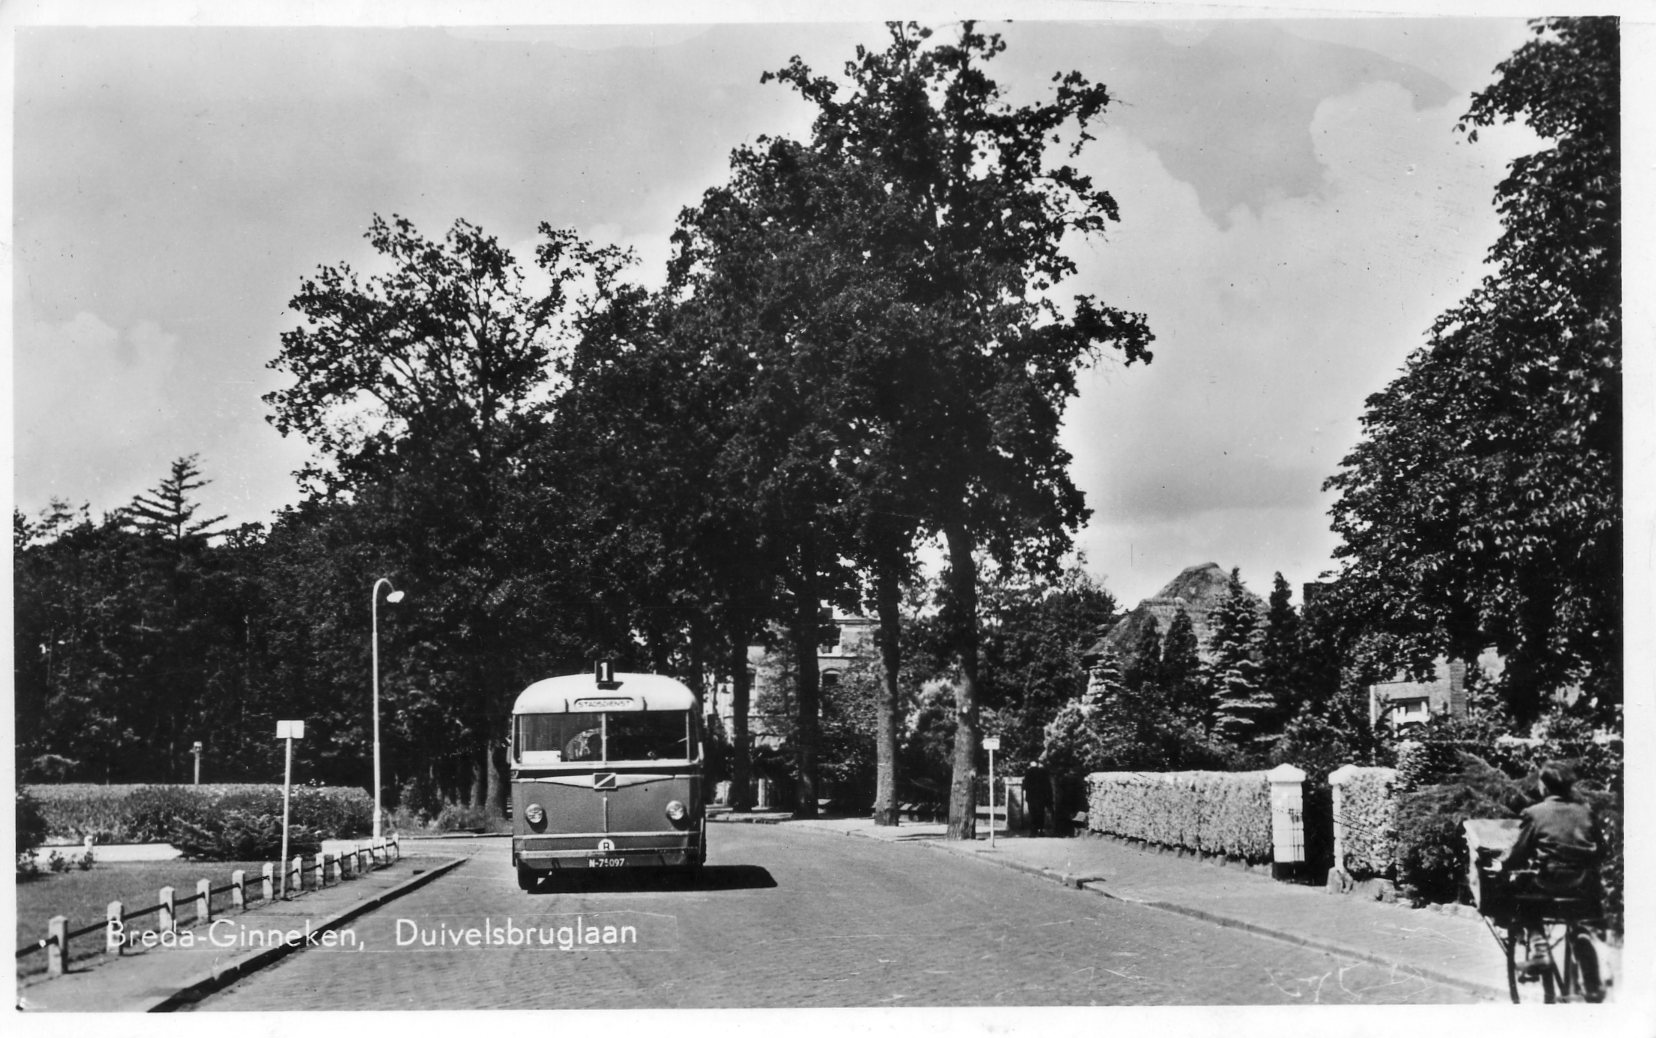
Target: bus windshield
(603,737)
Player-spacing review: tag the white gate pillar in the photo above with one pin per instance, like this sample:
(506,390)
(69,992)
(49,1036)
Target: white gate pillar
(1338,779)
(1287,817)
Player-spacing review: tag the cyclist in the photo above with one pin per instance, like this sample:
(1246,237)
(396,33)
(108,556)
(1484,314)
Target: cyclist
(1559,839)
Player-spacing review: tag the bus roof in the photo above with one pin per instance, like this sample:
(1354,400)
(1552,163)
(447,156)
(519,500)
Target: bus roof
(580,693)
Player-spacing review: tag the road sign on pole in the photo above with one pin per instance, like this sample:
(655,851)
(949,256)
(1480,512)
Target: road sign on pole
(288,730)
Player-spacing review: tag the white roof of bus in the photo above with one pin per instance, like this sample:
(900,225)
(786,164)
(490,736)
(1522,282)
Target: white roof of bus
(555,695)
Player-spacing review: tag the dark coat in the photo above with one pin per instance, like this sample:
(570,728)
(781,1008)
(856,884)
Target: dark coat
(1560,840)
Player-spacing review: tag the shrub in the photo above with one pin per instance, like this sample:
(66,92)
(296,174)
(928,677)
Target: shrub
(31,822)
(460,818)
(240,834)
(1072,742)
(1311,743)
(1608,807)
(1437,762)
(339,811)
(57,862)
(152,811)
(419,797)
(1431,845)
(28,867)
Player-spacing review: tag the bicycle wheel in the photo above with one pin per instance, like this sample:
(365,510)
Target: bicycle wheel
(1527,989)
(1581,976)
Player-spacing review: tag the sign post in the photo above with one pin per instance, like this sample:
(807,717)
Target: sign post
(991,743)
(288,730)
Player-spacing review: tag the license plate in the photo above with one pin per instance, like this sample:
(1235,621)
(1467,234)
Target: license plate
(607,863)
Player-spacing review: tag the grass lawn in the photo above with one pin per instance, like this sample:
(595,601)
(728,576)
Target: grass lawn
(85,896)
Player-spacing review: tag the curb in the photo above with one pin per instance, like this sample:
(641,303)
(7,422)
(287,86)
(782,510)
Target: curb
(195,988)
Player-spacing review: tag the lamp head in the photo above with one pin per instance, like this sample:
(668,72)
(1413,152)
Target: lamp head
(395,596)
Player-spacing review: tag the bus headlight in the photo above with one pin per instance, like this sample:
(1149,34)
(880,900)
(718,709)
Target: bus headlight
(534,814)
(675,810)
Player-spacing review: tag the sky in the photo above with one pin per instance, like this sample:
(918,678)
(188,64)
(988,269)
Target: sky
(1296,208)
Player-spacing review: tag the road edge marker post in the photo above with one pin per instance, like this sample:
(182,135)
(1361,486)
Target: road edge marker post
(288,730)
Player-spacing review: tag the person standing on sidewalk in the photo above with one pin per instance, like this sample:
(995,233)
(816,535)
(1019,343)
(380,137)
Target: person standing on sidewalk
(1037,787)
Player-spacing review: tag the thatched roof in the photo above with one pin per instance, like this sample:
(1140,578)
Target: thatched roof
(1198,590)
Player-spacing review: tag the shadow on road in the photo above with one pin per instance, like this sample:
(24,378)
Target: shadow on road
(710,877)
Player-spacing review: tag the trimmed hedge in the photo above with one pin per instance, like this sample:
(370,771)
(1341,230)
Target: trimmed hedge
(152,814)
(1212,812)
(1368,811)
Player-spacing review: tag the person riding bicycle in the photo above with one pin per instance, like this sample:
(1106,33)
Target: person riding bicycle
(1559,839)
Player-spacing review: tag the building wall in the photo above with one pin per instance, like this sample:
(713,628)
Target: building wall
(854,642)
(1410,702)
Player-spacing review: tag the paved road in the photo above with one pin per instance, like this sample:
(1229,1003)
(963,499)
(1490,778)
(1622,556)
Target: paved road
(786,918)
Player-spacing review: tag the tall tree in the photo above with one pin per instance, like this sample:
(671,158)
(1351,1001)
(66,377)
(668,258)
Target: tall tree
(767,302)
(1037,633)
(979,360)
(1483,506)
(1182,675)
(168,510)
(422,389)
(1143,663)
(1281,670)
(1239,701)
(639,454)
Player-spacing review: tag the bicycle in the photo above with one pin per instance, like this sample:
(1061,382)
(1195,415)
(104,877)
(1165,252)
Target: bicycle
(1571,925)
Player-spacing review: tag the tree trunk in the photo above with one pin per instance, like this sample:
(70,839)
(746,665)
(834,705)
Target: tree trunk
(496,680)
(499,774)
(478,794)
(963,602)
(888,597)
(804,632)
(741,756)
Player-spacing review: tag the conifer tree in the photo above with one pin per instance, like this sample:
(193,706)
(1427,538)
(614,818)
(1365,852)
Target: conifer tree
(1281,672)
(1239,701)
(1181,673)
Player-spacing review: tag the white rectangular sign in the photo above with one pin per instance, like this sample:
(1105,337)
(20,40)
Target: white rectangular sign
(991,742)
(290,729)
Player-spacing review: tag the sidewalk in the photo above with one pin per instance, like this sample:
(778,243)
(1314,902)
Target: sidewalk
(160,978)
(1450,947)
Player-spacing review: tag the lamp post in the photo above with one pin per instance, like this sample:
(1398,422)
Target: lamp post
(393,597)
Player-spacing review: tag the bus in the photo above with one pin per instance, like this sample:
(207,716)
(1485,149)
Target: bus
(606,774)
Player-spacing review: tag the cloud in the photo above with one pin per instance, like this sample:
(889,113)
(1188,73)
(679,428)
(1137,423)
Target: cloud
(89,400)
(1272,329)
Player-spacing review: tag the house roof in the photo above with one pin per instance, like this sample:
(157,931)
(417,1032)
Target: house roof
(1197,590)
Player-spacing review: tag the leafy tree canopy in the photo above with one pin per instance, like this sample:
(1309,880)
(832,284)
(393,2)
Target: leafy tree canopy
(1483,506)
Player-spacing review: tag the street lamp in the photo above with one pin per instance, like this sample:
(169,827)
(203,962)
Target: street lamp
(394,597)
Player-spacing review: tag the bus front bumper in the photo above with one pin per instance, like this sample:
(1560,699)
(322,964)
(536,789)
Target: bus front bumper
(597,851)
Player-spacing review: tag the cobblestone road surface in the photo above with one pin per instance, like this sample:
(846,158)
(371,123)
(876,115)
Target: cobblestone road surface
(798,919)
